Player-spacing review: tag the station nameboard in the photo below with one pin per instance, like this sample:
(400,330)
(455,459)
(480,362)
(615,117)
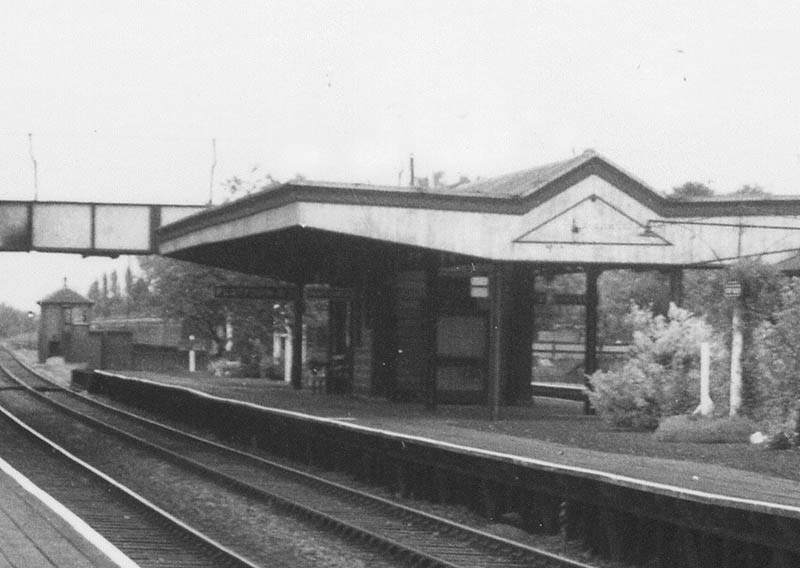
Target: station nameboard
(281,293)
(274,293)
(326,293)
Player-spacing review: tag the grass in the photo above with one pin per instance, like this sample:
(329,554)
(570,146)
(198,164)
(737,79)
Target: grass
(700,430)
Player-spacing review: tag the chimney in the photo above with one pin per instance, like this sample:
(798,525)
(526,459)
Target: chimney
(411,179)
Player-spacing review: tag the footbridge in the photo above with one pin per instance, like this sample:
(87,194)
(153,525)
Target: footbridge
(91,229)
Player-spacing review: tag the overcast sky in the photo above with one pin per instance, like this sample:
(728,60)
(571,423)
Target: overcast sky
(124,98)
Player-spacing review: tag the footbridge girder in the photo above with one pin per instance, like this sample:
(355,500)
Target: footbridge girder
(91,229)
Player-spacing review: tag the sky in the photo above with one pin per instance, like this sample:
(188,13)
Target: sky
(120,101)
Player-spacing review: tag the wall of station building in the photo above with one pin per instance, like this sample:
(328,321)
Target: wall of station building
(394,343)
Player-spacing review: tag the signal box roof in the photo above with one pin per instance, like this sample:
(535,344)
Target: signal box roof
(66,296)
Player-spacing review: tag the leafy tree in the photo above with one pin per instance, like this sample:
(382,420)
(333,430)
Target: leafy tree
(94,292)
(621,288)
(115,299)
(748,190)
(185,291)
(778,363)
(15,322)
(236,187)
(689,190)
(128,281)
(114,290)
(139,296)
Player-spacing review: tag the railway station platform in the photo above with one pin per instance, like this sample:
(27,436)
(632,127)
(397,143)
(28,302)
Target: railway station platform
(550,431)
(541,463)
(37,531)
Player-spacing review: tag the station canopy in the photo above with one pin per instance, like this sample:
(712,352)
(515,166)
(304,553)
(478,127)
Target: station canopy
(581,211)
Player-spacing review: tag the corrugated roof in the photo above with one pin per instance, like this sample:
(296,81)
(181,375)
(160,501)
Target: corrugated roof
(65,296)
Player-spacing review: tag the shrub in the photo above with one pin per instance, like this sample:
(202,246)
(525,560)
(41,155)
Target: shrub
(778,358)
(661,373)
(704,430)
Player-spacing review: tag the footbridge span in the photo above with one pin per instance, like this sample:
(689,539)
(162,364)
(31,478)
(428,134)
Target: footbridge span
(91,229)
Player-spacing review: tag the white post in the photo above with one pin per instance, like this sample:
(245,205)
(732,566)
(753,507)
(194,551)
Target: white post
(192,360)
(706,406)
(287,359)
(737,344)
(228,336)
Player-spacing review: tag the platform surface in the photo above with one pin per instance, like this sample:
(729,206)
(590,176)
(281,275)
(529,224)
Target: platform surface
(37,532)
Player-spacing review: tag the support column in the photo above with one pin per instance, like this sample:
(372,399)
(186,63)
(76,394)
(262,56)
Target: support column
(496,333)
(590,347)
(384,346)
(297,337)
(519,336)
(676,286)
(430,321)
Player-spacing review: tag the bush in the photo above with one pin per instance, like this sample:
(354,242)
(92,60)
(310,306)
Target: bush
(705,430)
(778,358)
(661,373)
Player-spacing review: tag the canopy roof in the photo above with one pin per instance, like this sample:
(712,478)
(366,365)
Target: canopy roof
(584,210)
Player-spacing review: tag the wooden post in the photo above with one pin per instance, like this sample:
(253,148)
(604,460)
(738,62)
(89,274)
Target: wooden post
(590,346)
(495,339)
(297,338)
(430,321)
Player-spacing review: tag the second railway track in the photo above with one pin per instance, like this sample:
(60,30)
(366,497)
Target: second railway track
(407,535)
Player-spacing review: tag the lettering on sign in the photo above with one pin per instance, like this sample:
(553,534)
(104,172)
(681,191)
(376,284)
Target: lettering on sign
(273,293)
(280,293)
(733,289)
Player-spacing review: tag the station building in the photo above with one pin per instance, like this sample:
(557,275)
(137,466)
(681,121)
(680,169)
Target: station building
(434,292)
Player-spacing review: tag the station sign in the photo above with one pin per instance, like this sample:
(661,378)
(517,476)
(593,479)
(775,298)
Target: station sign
(733,289)
(272,293)
(328,293)
(281,293)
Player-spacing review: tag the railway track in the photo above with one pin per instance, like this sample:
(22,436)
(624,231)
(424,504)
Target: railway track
(146,534)
(409,535)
